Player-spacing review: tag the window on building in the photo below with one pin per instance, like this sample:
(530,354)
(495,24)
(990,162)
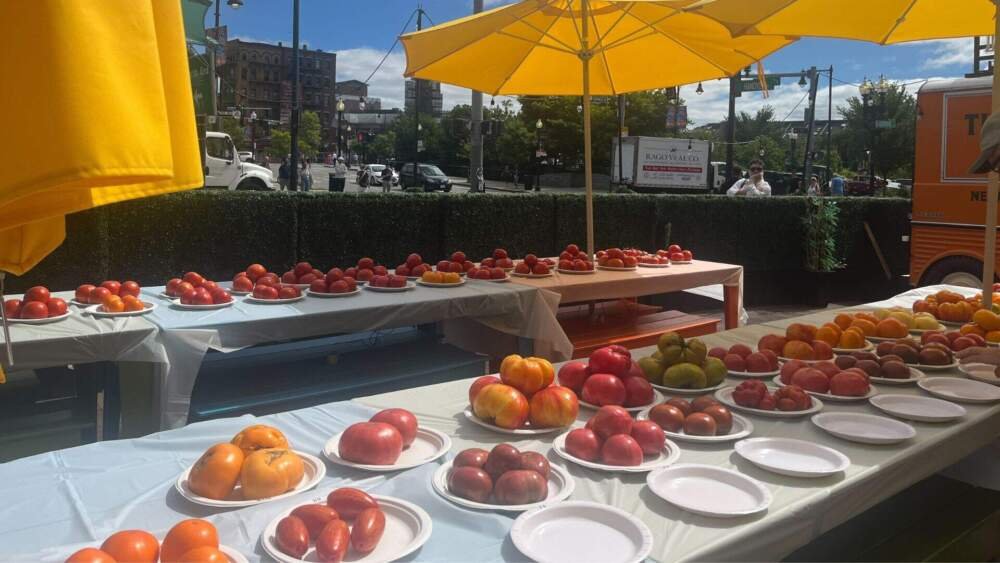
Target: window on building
(243,73)
(253,57)
(243,57)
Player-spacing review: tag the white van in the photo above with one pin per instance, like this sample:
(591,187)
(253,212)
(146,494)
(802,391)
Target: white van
(226,170)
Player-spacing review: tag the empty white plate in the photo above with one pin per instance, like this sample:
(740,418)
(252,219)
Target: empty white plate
(922,409)
(561,485)
(427,446)
(581,532)
(709,490)
(864,428)
(795,458)
(960,389)
(981,372)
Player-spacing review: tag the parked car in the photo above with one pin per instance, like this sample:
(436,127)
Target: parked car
(375,171)
(429,177)
(860,185)
(246,156)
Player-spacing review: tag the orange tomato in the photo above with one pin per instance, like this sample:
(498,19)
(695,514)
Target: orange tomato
(972,328)
(185,536)
(132,545)
(270,472)
(132,303)
(204,554)
(843,320)
(527,375)
(113,304)
(217,471)
(90,555)
(258,437)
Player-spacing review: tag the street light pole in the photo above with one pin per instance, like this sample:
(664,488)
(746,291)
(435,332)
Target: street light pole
(476,129)
(416,108)
(293,171)
(538,157)
(340,120)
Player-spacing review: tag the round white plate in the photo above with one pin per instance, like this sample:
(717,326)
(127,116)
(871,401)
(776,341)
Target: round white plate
(666,457)
(561,485)
(953,324)
(571,532)
(682,262)
(927,367)
(610,269)
(95,310)
(428,445)
(237,292)
(505,278)
(576,272)
(725,396)
(921,409)
(297,285)
(461,281)
(527,430)
(81,303)
(252,299)
(44,321)
(795,458)
(872,391)
(742,427)
(520,275)
(960,389)
(657,399)
(314,467)
(231,553)
(755,374)
(407,528)
(915,375)
(641,265)
(785,360)
(326,295)
(709,490)
(409,286)
(980,372)
(868,347)
(164,295)
(864,428)
(178,305)
(940,327)
(683,391)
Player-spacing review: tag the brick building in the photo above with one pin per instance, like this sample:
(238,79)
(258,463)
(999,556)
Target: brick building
(353,93)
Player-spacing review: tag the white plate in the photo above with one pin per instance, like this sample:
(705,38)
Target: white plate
(953,324)
(579,531)
(795,458)
(314,467)
(980,372)
(461,281)
(927,367)
(657,399)
(960,389)
(709,490)
(742,427)
(326,295)
(868,347)
(409,286)
(548,275)
(915,375)
(921,409)
(682,262)
(610,269)
(527,430)
(44,321)
(428,445)
(95,310)
(80,304)
(725,396)
(785,360)
(505,278)
(178,305)
(641,265)
(683,391)
(297,285)
(666,457)
(872,391)
(940,327)
(561,485)
(576,272)
(407,528)
(257,300)
(755,374)
(864,428)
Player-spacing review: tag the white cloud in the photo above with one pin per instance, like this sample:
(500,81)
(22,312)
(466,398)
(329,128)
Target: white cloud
(947,53)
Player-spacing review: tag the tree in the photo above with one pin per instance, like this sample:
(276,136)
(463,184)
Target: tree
(281,143)
(382,147)
(516,145)
(309,133)
(762,147)
(893,147)
(231,126)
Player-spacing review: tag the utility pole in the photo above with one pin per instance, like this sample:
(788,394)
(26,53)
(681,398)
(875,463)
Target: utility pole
(293,172)
(216,90)
(731,128)
(621,126)
(476,132)
(810,131)
(829,127)
(416,108)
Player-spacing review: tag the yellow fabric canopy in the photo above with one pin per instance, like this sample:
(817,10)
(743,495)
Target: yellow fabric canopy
(98,110)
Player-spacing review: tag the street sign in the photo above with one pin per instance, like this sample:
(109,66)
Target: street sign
(885,123)
(201,83)
(753,85)
(676,117)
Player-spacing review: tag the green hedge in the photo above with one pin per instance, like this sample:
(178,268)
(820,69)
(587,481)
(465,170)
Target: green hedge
(218,233)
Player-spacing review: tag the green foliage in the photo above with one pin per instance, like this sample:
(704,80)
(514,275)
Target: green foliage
(309,133)
(893,154)
(516,145)
(764,148)
(383,147)
(281,143)
(820,224)
(232,127)
(431,134)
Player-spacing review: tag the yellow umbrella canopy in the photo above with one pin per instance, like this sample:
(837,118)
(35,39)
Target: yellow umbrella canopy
(99,111)
(582,47)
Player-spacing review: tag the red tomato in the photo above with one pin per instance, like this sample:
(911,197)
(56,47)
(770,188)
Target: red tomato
(202,297)
(38,293)
(90,555)
(172,286)
(622,450)
(522,486)
(132,545)
(83,293)
(315,517)
(209,285)
(255,271)
(194,278)
(292,536)
(183,288)
(220,295)
(12,308)
(402,419)
(349,502)
(333,541)
(265,292)
(289,292)
(56,306)
(242,283)
(470,483)
(367,530)
(34,310)
(374,443)
(113,286)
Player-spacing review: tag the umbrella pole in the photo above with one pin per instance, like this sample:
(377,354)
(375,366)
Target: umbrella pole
(990,250)
(587,156)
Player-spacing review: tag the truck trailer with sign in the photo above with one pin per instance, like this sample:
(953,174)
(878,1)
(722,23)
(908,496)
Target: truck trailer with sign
(663,164)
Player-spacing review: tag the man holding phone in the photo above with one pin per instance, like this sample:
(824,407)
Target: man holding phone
(753,186)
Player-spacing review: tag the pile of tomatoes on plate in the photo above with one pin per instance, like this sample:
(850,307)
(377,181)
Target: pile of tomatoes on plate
(38,303)
(189,540)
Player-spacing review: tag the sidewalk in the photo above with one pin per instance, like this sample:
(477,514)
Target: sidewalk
(508,187)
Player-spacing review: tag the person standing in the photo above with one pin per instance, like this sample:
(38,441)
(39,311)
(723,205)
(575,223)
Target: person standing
(837,185)
(480,181)
(386,178)
(283,174)
(340,174)
(364,179)
(753,186)
(814,189)
(306,175)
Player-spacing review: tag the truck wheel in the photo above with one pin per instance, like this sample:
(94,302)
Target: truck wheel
(955,270)
(252,184)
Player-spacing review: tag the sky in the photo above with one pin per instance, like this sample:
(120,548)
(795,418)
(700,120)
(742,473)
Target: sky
(361,32)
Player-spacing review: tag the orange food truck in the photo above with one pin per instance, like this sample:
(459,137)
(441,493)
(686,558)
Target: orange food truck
(949,210)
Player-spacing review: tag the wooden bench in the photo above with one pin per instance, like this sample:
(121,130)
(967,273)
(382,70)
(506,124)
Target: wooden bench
(626,323)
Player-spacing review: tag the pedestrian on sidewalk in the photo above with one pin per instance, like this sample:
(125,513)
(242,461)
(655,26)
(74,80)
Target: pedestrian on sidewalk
(283,174)
(755,185)
(364,179)
(837,185)
(480,181)
(340,174)
(386,178)
(306,175)
(814,189)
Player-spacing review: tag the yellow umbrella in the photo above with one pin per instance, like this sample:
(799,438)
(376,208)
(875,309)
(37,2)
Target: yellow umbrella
(884,22)
(582,47)
(99,110)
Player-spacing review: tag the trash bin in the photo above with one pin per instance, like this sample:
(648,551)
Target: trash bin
(333,186)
